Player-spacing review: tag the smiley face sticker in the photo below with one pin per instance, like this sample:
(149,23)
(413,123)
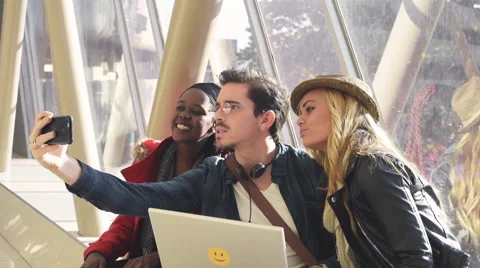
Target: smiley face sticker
(218,256)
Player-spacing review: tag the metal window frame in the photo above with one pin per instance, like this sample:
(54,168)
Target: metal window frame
(130,67)
(342,37)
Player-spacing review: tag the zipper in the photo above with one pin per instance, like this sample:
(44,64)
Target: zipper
(374,246)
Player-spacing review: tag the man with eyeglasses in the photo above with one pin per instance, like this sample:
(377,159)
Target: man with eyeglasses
(250,112)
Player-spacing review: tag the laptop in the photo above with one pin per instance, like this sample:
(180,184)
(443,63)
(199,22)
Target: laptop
(189,240)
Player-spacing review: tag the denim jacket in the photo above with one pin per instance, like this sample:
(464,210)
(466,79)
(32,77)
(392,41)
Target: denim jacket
(209,189)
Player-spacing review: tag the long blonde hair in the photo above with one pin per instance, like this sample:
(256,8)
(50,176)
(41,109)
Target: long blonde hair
(353,131)
(465,192)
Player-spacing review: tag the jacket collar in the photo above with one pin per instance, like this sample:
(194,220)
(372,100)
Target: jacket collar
(352,162)
(279,167)
(146,170)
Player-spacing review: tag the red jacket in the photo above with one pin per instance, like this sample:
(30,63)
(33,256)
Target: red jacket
(121,238)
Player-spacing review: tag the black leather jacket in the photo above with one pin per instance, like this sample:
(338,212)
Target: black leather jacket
(389,218)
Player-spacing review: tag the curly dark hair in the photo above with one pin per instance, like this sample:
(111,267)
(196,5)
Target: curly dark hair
(266,93)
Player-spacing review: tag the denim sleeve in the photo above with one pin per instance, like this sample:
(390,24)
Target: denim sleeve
(109,193)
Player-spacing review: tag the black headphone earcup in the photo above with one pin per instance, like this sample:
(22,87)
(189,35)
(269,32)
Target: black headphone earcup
(257,171)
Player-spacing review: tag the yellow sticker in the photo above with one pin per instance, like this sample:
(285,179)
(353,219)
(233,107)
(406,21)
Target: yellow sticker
(218,256)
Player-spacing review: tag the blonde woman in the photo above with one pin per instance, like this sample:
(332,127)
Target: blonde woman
(373,211)
(458,176)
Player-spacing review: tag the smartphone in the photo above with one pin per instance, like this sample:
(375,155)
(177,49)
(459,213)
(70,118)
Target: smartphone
(62,125)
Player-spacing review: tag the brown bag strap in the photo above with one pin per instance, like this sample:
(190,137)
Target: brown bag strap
(272,214)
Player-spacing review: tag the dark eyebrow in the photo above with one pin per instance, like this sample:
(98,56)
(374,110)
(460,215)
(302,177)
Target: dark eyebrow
(229,101)
(198,105)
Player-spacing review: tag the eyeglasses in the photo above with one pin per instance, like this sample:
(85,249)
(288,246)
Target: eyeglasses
(228,107)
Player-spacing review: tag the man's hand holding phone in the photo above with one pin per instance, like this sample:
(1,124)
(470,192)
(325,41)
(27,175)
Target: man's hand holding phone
(53,156)
(62,125)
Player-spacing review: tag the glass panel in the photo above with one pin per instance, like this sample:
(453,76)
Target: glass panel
(165,10)
(110,99)
(234,45)
(301,41)
(451,64)
(147,62)
(442,71)
(37,69)
(430,120)
(468,19)
(369,24)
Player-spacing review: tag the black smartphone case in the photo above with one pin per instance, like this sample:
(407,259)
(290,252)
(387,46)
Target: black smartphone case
(62,125)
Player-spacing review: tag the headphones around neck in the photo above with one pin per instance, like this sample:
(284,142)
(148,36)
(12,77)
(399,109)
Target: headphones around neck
(257,170)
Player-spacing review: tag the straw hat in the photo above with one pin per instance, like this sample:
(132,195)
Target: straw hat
(466,103)
(347,84)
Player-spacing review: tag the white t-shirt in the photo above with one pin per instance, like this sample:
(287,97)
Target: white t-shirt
(273,195)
